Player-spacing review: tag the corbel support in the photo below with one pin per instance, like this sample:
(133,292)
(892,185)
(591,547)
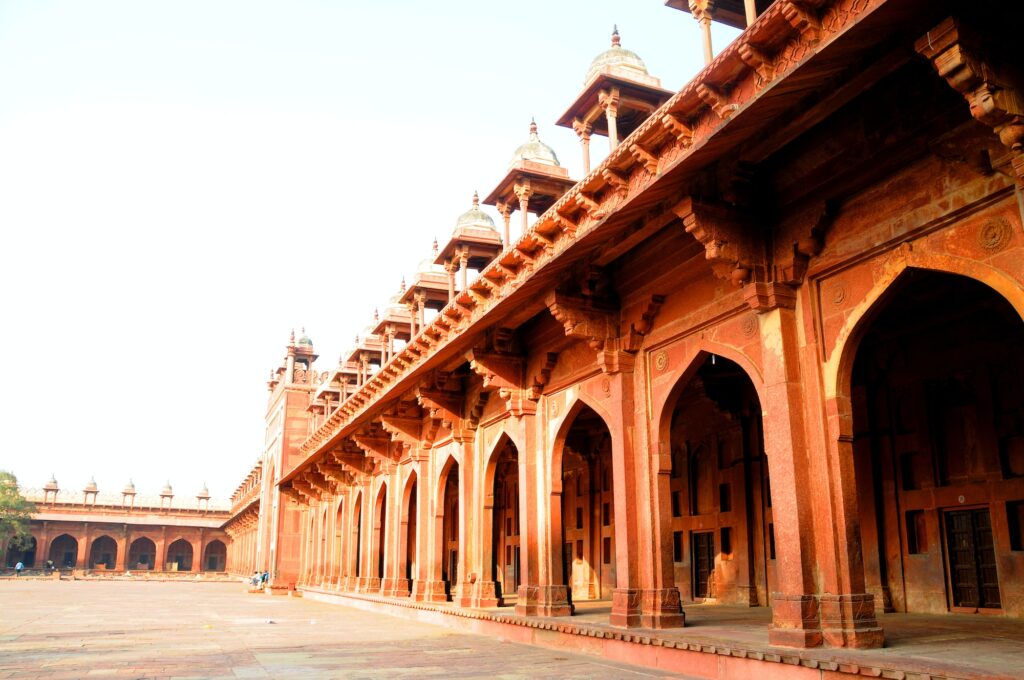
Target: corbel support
(714,98)
(583,319)
(375,446)
(634,338)
(678,128)
(994,92)
(804,18)
(727,243)
(405,429)
(618,183)
(499,371)
(753,57)
(644,158)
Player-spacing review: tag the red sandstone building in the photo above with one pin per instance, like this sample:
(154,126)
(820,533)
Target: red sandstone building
(100,532)
(768,352)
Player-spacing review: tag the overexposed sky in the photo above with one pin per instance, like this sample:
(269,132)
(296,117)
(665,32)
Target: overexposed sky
(182,183)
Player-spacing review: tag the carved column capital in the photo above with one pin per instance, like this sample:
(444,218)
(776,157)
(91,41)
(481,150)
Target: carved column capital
(583,130)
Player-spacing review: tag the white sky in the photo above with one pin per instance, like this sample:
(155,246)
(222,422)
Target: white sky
(181,183)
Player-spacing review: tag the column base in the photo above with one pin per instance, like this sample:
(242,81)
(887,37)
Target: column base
(849,621)
(387,587)
(433,591)
(625,608)
(795,621)
(396,587)
(484,594)
(661,608)
(549,601)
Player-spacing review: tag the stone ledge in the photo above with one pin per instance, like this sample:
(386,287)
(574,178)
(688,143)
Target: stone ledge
(791,663)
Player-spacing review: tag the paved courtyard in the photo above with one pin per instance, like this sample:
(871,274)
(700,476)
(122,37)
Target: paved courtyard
(95,629)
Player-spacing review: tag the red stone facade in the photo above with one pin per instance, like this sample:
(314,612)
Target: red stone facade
(768,352)
(99,533)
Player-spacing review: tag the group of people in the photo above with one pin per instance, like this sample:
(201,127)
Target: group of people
(20,567)
(259,579)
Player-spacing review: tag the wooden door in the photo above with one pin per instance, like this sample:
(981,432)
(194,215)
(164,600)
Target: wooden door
(973,581)
(703,559)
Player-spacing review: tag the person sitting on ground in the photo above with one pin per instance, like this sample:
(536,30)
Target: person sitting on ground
(255,580)
(263,579)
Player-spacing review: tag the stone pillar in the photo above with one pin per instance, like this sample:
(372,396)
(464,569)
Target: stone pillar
(365,556)
(583,131)
(609,100)
(421,575)
(629,496)
(464,270)
(197,553)
(462,592)
(531,465)
(123,541)
(661,605)
(750,8)
(160,558)
(43,546)
(523,192)
(795,619)
(450,268)
(506,215)
(549,596)
(702,11)
(82,560)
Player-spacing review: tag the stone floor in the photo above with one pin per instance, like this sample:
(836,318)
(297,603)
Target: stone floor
(76,629)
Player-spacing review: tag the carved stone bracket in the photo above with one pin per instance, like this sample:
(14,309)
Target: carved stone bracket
(617,182)
(728,243)
(681,130)
(583,318)
(404,429)
(800,239)
(994,92)
(637,330)
(644,158)
(716,100)
(377,446)
(498,371)
(803,17)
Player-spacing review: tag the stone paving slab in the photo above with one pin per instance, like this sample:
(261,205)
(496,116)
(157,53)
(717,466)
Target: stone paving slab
(104,629)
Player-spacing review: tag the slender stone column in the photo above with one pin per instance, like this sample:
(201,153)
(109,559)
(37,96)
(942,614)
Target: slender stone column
(583,131)
(122,548)
(462,593)
(506,214)
(523,192)
(702,11)
(84,544)
(424,493)
(609,101)
(450,267)
(463,270)
(750,8)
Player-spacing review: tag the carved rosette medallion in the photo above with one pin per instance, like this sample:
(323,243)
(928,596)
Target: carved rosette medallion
(749,324)
(661,360)
(994,234)
(837,292)
(606,386)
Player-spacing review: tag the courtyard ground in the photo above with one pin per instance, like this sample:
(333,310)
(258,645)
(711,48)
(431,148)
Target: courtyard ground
(95,629)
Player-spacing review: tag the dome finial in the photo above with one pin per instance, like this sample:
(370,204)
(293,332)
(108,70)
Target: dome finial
(615,35)
(533,125)
(376,314)
(401,287)
(476,199)
(291,338)
(435,247)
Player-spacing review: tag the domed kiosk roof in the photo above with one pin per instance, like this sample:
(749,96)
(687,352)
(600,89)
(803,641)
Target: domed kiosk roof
(535,150)
(619,61)
(474,217)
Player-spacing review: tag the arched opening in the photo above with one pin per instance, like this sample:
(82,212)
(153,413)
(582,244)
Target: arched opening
(103,553)
(721,514)
(503,508)
(936,393)
(21,550)
(142,554)
(64,551)
(179,556)
(408,537)
(215,556)
(588,508)
(339,540)
(448,500)
(357,537)
(379,535)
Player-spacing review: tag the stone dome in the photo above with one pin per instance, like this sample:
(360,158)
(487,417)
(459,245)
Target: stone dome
(52,484)
(617,58)
(129,488)
(474,217)
(205,493)
(167,491)
(535,150)
(304,340)
(91,486)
